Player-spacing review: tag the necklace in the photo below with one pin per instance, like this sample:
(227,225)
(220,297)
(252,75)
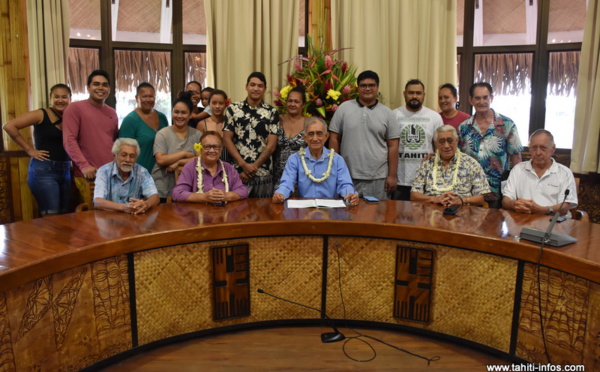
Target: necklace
(308,172)
(437,166)
(199,168)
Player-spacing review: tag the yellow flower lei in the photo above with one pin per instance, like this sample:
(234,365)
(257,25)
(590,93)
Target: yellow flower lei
(200,182)
(308,172)
(436,166)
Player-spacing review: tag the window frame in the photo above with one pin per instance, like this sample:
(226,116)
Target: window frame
(541,60)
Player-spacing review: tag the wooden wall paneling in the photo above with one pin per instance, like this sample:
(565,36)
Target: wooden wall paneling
(14,65)
(13,169)
(5,200)
(24,205)
(14,100)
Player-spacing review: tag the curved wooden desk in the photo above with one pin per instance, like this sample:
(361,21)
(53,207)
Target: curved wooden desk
(79,288)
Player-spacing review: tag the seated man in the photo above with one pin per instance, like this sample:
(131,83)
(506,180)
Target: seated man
(121,184)
(208,179)
(538,185)
(319,172)
(450,177)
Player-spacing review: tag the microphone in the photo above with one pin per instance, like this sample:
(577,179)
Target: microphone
(553,222)
(325,337)
(548,237)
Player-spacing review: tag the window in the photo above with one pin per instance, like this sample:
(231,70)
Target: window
(510,77)
(82,61)
(194,23)
(561,96)
(133,67)
(147,21)
(506,22)
(85,19)
(501,45)
(195,67)
(566,21)
(137,35)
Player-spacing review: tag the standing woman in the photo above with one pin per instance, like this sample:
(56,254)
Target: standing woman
(49,175)
(447,99)
(174,146)
(194,88)
(218,103)
(143,123)
(290,137)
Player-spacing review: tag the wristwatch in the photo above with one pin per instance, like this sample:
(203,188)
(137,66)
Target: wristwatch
(550,211)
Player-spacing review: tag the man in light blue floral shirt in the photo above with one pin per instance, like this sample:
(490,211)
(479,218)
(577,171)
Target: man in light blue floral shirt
(490,138)
(250,136)
(450,177)
(123,185)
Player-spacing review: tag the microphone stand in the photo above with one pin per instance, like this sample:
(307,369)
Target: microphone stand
(548,237)
(325,337)
(553,222)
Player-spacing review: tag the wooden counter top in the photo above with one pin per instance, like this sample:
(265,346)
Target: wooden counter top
(34,249)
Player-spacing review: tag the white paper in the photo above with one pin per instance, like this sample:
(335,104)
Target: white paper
(316,203)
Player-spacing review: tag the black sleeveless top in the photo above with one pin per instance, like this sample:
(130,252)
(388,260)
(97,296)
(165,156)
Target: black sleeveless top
(48,137)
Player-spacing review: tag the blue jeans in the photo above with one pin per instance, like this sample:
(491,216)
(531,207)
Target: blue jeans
(50,184)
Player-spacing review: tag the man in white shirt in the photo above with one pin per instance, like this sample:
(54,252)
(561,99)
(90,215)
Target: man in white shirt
(417,127)
(539,185)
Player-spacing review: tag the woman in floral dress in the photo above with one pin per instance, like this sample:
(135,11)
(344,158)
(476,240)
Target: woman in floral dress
(291,131)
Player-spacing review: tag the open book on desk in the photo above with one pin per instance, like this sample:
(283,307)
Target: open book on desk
(316,203)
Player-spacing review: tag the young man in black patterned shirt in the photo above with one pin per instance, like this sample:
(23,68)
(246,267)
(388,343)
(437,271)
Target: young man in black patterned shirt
(250,136)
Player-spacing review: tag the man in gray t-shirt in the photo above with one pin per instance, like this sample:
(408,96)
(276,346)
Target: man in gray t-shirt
(365,133)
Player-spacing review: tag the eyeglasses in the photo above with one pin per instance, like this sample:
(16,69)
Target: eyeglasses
(367,86)
(212,147)
(443,141)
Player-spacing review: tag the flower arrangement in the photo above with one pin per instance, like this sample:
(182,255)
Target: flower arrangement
(328,82)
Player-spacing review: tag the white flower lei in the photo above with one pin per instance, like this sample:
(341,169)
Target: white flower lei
(308,172)
(200,183)
(454,177)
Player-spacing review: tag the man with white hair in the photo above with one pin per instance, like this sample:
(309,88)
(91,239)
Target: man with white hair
(123,185)
(539,185)
(450,177)
(317,171)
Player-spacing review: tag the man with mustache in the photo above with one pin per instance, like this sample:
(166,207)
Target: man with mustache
(491,138)
(365,133)
(123,185)
(417,127)
(89,129)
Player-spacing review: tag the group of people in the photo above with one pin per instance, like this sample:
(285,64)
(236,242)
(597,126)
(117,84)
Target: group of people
(229,151)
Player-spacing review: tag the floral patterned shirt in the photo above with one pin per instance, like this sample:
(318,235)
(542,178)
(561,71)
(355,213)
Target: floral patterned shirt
(470,179)
(251,126)
(493,148)
(285,148)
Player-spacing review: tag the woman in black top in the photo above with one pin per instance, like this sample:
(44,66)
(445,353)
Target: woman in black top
(49,175)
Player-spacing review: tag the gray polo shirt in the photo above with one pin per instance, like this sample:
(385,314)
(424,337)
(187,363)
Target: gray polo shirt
(364,131)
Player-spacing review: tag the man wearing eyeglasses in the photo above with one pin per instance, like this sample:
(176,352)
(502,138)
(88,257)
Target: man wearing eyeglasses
(365,133)
(316,172)
(450,177)
(417,127)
